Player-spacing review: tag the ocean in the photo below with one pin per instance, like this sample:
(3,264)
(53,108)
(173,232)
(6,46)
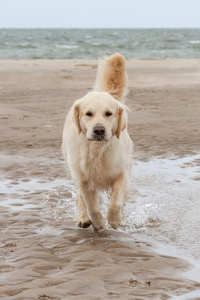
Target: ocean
(95,43)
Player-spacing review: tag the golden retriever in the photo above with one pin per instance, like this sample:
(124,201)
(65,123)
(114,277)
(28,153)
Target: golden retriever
(97,146)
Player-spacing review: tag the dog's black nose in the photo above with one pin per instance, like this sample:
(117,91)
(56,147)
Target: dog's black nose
(99,131)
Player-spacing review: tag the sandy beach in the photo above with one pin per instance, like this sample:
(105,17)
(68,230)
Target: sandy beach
(43,254)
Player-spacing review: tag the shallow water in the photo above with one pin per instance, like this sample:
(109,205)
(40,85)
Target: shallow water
(191,295)
(167,207)
(167,201)
(163,205)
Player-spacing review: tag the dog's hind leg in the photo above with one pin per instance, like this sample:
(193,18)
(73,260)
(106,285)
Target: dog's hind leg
(92,204)
(119,191)
(82,219)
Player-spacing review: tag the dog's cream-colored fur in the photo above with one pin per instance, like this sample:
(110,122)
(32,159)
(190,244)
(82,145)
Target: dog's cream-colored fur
(103,162)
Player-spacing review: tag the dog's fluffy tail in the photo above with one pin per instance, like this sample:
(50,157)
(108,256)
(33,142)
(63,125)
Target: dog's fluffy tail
(112,76)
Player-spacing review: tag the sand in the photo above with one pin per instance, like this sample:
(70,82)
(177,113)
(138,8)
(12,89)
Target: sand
(43,256)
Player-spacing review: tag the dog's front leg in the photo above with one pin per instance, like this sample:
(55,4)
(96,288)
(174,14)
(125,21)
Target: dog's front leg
(82,219)
(92,204)
(119,189)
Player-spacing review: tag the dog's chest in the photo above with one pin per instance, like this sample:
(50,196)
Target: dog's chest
(97,165)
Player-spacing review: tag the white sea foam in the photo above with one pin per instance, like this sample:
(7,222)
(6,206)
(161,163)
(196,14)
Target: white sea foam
(67,46)
(195,42)
(96,44)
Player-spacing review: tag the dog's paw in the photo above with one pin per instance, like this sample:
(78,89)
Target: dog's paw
(98,222)
(114,218)
(84,224)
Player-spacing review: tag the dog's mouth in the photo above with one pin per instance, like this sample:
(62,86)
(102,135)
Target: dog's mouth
(97,139)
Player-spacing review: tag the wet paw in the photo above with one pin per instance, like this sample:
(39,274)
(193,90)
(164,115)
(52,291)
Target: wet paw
(114,225)
(98,222)
(85,224)
(114,218)
(98,228)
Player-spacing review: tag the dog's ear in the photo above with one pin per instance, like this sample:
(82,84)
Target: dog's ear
(76,116)
(121,122)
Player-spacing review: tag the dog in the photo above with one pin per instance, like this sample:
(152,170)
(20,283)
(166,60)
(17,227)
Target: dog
(97,146)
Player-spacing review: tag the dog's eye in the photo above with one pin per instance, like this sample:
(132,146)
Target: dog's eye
(89,114)
(108,114)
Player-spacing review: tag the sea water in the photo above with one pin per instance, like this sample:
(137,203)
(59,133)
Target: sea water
(95,43)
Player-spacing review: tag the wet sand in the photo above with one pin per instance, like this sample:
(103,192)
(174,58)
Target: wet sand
(43,254)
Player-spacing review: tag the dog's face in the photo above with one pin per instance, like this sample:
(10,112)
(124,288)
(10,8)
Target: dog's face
(99,116)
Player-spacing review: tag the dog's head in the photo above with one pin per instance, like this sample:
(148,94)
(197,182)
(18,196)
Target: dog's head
(99,116)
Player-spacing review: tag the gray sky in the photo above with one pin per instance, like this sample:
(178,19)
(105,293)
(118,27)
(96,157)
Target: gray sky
(100,13)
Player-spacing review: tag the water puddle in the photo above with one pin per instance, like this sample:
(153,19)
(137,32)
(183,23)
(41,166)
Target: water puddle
(167,196)
(191,295)
(32,185)
(17,204)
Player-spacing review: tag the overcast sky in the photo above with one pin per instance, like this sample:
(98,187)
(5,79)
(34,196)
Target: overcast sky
(100,13)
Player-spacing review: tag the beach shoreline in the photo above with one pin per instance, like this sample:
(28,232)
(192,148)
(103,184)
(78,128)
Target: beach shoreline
(45,256)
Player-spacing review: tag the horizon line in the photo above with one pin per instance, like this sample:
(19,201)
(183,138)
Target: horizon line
(91,28)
